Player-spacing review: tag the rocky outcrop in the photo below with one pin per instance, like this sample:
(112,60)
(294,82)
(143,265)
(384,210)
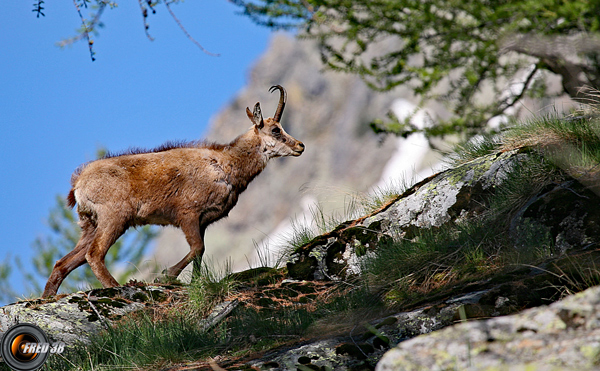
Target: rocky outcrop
(437,200)
(364,344)
(73,318)
(362,347)
(564,213)
(562,336)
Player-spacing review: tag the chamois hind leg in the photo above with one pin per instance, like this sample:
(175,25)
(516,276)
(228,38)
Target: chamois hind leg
(107,232)
(194,234)
(72,260)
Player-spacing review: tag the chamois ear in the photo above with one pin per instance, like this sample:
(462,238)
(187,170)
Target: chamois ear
(256,116)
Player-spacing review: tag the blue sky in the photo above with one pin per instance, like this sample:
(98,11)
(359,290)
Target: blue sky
(57,107)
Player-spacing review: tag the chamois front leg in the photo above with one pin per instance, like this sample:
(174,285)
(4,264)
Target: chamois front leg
(194,235)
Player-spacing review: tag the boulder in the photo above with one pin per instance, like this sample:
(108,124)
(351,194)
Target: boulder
(562,336)
(73,318)
(432,202)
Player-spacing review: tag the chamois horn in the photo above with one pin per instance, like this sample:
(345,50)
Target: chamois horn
(282,99)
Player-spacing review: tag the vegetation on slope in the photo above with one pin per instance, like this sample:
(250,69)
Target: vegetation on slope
(461,255)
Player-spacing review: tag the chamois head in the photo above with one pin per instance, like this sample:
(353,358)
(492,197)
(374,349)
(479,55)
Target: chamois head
(275,141)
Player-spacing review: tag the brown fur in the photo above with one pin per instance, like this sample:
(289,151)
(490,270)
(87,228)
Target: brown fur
(188,185)
(162,148)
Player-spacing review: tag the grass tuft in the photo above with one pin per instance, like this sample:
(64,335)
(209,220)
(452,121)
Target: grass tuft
(380,196)
(478,146)
(210,286)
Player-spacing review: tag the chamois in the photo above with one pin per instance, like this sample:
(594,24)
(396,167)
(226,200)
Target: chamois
(187,185)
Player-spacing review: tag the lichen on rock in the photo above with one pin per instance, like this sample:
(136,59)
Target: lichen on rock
(73,318)
(433,202)
(562,336)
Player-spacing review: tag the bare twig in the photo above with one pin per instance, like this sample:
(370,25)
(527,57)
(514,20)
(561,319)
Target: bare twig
(168,4)
(85,33)
(37,7)
(87,28)
(518,97)
(100,317)
(144,11)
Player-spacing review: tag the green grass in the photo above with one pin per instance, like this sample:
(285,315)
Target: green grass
(381,196)
(398,272)
(152,342)
(550,135)
(303,231)
(158,337)
(143,342)
(547,131)
(210,286)
(404,270)
(527,177)
(476,147)
(356,205)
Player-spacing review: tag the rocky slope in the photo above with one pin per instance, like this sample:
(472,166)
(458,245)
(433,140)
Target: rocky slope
(560,336)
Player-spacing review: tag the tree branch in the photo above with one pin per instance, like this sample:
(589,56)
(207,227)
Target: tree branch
(144,11)
(87,28)
(37,7)
(168,4)
(522,93)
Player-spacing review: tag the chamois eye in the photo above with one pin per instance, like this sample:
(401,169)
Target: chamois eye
(275,131)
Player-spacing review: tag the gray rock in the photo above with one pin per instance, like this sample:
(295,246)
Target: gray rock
(73,318)
(445,196)
(459,192)
(359,349)
(562,214)
(562,336)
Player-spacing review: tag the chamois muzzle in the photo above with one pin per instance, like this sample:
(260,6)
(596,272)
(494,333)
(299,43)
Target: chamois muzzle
(299,149)
(282,100)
